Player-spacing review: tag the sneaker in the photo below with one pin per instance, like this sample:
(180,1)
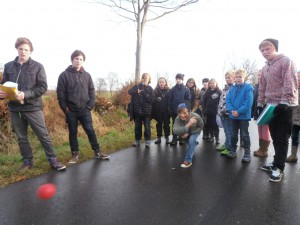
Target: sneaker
(56,165)
(221,148)
(167,140)
(225,152)
(25,165)
(268,167)
(231,155)
(99,155)
(147,144)
(136,143)
(276,176)
(186,164)
(75,158)
(246,158)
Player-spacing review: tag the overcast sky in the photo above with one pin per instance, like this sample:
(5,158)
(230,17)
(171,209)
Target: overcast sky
(197,42)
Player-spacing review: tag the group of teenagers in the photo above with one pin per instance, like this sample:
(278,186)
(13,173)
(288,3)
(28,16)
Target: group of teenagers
(192,111)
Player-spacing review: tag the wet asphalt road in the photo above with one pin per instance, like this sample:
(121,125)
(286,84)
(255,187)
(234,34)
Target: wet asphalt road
(147,186)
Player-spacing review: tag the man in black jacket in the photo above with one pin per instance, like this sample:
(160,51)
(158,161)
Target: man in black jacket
(26,108)
(76,97)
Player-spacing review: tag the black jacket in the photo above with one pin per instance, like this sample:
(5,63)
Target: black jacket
(211,101)
(160,102)
(32,81)
(75,90)
(141,103)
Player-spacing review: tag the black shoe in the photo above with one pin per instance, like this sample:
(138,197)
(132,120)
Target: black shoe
(173,142)
(276,176)
(99,155)
(56,165)
(182,141)
(217,141)
(25,165)
(158,141)
(268,167)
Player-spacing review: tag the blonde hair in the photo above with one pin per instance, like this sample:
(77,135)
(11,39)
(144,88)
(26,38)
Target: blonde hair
(213,80)
(242,72)
(230,73)
(146,74)
(162,78)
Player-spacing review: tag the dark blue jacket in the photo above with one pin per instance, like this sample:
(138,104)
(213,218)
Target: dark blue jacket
(178,94)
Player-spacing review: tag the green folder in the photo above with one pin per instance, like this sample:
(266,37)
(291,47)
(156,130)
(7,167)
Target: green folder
(266,116)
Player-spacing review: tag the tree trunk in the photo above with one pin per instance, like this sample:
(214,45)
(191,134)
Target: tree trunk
(138,53)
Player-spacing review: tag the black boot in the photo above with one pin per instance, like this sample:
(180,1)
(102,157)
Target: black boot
(174,140)
(158,140)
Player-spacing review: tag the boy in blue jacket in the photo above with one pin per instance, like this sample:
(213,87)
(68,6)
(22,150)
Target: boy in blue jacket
(239,102)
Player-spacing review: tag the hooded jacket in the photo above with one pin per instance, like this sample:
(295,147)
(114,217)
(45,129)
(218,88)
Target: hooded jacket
(240,98)
(75,90)
(32,81)
(278,82)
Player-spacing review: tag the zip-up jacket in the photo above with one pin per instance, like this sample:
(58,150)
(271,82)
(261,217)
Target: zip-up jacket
(141,103)
(31,79)
(278,82)
(75,90)
(240,98)
(178,94)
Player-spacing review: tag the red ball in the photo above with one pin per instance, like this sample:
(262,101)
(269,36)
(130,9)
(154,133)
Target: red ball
(46,191)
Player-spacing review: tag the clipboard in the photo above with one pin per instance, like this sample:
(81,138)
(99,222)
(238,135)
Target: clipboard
(11,89)
(266,116)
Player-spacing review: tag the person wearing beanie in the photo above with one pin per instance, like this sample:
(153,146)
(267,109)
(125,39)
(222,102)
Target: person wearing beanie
(284,95)
(178,94)
(188,126)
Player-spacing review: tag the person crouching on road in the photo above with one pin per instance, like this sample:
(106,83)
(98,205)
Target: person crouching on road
(188,126)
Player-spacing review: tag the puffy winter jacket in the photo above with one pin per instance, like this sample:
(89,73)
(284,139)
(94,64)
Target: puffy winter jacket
(141,103)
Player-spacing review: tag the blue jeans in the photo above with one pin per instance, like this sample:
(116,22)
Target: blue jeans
(226,122)
(138,126)
(192,143)
(295,135)
(243,126)
(20,122)
(85,118)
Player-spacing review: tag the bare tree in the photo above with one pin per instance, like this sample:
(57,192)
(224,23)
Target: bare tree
(140,12)
(100,85)
(113,82)
(248,65)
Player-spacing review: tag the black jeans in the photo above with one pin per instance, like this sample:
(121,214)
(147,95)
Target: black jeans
(281,129)
(85,118)
(163,123)
(138,126)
